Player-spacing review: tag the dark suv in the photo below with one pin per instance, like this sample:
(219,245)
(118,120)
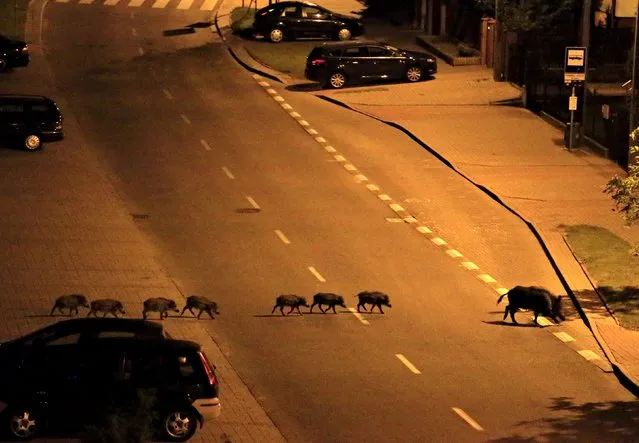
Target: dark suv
(29,120)
(162,387)
(337,64)
(294,19)
(13,53)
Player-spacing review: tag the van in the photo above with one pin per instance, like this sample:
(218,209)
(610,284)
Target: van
(29,120)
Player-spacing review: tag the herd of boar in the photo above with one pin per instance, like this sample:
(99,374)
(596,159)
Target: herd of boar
(114,307)
(536,299)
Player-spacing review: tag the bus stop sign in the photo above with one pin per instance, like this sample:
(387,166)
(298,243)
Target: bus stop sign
(575,65)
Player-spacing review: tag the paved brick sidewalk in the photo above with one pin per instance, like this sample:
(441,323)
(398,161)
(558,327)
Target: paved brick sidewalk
(517,156)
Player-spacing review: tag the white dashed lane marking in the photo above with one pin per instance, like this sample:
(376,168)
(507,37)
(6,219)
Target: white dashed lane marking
(359,316)
(205,144)
(228,172)
(134,32)
(468,419)
(454,253)
(140,51)
(295,114)
(186,119)
(320,139)
(316,274)
(282,237)
(286,106)
(278,98)
(470,265)
(438,241)
(563,336)
(167,94)
(408,364)
(589,355)
(252,202)
(271,91)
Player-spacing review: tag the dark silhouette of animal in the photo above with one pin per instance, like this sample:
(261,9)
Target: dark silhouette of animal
(201,303)
(161,305)
(329,299)
(292,300)
(373,298)
(107,306)
(71,302)
(537,299)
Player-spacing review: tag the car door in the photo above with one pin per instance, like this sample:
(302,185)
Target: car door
(355,63)
(292,20)
(386,63)
(316,22)
(12,122)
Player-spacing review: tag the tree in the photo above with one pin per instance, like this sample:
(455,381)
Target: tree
(529,15)
(625,190)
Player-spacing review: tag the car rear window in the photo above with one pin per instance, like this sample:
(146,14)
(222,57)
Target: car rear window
(10,108)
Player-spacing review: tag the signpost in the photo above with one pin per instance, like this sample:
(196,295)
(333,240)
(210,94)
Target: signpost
(575,66)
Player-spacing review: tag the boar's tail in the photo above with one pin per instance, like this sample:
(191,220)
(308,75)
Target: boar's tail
(502,296)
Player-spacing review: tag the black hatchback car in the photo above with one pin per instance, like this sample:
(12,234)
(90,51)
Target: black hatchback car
(338,64)
(167,388)
(29,120)
(294,19)
(13,53)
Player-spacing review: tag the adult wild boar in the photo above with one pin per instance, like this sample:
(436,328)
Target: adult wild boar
(201,303)
(329,299)
(292,300)
(107,306)
(537,299)
(374,298)
(72,302)
(161,305)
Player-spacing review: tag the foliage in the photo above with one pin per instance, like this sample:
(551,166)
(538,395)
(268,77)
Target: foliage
(464,50)
(625,190)
(130,424)
(242,19)
(528,15)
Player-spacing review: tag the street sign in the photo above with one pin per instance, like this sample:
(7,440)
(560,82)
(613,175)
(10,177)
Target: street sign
(572,103)
(575,65)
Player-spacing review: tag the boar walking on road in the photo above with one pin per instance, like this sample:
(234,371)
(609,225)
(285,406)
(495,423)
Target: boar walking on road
(292,300)
(72,302)
(539,300)
(201,303)
(374,298)
(106,306)
(328,299)
(161,305)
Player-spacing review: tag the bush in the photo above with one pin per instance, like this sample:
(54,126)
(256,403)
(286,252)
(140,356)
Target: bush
(466,51)
(242,19)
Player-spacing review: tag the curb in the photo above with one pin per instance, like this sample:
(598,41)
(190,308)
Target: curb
(620,372)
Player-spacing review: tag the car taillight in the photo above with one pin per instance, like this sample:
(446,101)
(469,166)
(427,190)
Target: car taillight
(317,62)
(209,371)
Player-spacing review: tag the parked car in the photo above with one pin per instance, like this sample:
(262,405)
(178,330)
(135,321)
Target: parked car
(13,53)
(29,120)
(295,19)
(338,64)
(65,389)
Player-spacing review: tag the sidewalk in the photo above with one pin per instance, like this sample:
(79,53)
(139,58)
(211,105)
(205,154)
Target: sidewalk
(512,152)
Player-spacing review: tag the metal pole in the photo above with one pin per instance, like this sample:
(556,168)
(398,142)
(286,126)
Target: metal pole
(585,42)
(572,124)
(633,90)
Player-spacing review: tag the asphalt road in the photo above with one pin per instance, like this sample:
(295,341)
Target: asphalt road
(242,205)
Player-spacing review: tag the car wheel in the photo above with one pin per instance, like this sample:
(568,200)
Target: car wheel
(337,80)
(179,425)
(344,34)
(3,65)
(414,74)
(276,35)
(32,142)
(23,424)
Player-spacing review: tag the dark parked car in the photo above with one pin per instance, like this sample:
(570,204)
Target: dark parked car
(29,120)
(338,64)
(13,53)
(65,389)
(293,19)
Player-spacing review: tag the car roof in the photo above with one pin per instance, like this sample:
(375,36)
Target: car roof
(148,344)
(291,3)
(351,44)
(129,324)
(24,97)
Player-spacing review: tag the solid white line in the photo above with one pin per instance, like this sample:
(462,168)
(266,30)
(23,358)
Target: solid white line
(141,51)
(185,4)
(186,119)
(205,144)
(252,202)
(136,3)
(316,274)
(408,364)
(208,5)
(167,94)
(282,237)
(160,3)
(359,316)
(467,419)
(228,173)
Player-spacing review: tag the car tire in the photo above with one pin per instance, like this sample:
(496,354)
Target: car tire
(179,424)
(21,424)
(3,65)
(344,34)
(414,73)
(32,142)
(336,80)
(276,35)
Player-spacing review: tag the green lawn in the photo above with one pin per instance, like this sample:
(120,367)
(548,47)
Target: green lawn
(242,19)
(13,14)
(610,263)
(287,57)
